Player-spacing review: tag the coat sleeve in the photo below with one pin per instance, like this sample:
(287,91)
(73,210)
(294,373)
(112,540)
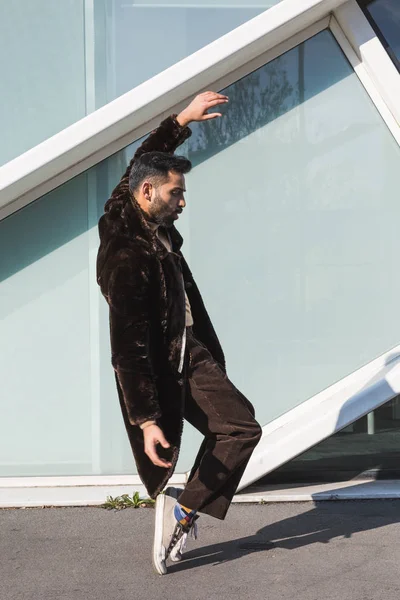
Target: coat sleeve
(128,299)
(166,138)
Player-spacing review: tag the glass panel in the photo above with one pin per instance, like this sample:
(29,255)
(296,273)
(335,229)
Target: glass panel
(368,448)
(385,15)
(45,426)
(300,219)
(60,414)
(42,67)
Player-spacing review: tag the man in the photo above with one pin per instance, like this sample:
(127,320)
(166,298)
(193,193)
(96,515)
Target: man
(168,362)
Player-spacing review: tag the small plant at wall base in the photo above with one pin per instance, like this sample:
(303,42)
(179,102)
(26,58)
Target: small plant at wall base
(126,501)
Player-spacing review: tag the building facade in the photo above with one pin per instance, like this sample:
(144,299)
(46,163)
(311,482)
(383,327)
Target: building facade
(298,181)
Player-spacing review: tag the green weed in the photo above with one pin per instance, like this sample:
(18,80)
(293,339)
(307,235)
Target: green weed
(126,501)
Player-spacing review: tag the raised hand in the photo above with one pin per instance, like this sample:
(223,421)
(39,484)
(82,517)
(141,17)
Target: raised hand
(197,109)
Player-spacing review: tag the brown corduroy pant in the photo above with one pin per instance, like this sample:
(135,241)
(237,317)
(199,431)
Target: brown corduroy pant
(216,408)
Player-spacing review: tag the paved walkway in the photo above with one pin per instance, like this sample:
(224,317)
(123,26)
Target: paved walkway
(332,550)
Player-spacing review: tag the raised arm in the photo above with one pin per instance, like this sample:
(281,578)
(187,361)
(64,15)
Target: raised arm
(170,134)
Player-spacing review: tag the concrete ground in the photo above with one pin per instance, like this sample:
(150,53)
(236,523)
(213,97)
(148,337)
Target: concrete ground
(306,551)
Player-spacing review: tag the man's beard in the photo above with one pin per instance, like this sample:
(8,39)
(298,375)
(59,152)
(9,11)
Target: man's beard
(160,213)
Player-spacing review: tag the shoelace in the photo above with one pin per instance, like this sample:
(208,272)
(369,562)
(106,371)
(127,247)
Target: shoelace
(182,531)
(181,544)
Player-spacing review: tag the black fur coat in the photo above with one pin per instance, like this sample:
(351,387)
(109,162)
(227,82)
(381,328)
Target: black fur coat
(142,283)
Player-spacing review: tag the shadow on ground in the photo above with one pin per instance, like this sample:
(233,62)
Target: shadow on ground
(323,523)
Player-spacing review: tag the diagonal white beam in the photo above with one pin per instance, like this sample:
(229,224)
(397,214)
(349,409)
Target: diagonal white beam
(115,125)
(324,414)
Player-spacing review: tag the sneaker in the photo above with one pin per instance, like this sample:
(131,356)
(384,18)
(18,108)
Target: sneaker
(177,551)
(167,531)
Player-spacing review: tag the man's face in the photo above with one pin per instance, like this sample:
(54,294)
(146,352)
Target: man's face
(167,200)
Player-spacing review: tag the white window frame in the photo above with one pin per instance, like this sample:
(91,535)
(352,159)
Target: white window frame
(113,127)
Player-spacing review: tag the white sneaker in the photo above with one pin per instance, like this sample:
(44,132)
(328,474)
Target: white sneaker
(167,531)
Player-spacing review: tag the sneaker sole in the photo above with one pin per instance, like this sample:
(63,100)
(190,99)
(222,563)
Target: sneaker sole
(158,548)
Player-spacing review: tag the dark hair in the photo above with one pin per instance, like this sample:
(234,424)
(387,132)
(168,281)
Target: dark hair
(156,166)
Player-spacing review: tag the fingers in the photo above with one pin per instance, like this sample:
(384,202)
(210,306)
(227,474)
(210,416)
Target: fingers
(212,103)
(211,116)
(214,95)
(155,459)
(150,450)
(197,109)
(163,442)
(213,99)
